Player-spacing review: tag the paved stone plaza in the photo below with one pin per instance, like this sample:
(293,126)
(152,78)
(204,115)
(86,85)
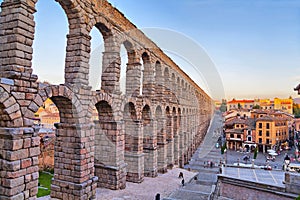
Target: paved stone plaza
(269,177)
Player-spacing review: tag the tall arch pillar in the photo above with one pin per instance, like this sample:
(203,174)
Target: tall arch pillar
(19,149)
(74,162)
(16,46)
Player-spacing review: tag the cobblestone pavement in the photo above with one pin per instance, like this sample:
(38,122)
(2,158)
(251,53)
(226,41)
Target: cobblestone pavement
(256,175)
(201,187)
(164,184)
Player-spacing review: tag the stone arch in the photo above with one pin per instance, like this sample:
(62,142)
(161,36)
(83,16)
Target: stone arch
(166,78)
(158,72)
(10,113)
(133,70)
(98,97)
(148,75)
(173,79)
(169,133)
(133,144)
(105,111)
(149,143)
(65,100)
(161,140)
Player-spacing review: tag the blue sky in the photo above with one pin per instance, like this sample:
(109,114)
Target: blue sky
(255,45)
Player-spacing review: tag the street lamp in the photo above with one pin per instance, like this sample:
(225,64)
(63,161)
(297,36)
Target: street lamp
(287,161)
(225,154)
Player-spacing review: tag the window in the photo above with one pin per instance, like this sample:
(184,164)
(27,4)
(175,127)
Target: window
(238,126)
(249,138)
(231,136)
(242,126)
(249,132)
(238,136)
(259,140)
(267,133)
(268,126)
(260,125)
(267,141)
(260,133)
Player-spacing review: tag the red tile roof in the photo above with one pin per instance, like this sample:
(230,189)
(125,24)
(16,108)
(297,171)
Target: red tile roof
(241,101)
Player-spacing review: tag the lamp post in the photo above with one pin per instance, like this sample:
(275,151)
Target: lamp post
(287,161)
(225,154)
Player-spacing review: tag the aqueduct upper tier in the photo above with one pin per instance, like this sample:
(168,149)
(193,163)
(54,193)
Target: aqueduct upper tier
(158,122)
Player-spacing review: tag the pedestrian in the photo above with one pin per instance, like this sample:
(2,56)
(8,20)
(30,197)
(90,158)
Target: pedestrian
(180,175)
(211,164)
(182,182)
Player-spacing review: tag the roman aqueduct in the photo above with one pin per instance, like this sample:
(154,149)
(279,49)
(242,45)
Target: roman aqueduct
(156,124)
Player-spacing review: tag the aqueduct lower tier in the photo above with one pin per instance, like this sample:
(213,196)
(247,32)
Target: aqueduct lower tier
(157,123)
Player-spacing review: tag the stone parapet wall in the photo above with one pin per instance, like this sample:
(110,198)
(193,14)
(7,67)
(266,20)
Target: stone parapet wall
(233,188)
(292,182)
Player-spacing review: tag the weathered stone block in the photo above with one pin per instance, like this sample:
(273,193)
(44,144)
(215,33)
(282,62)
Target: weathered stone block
(26,163)
(11,183)
(35,151)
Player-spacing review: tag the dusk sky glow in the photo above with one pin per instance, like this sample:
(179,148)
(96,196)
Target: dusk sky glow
(255,45)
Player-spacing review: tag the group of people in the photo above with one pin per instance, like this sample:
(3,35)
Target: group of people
(209,164)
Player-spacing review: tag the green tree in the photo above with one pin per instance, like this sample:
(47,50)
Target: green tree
(223,148)
(239,106)
(255,153)
(296,110)
(256,107)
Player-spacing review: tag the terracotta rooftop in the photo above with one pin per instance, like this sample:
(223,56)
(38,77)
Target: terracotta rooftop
(241,101)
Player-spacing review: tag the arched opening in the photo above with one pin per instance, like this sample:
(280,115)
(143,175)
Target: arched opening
(161,141)
(166,79)
(178,88)
(181,138)
(158,80)
(50,42)
(53,120)
(105,146)
(124,62)
(133,144)
(96,57)
(133,71)
(175,135)
(147,75)
(169,132)
(130,119)
(141,85)
(149,143)
(173,80)
(127,59)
